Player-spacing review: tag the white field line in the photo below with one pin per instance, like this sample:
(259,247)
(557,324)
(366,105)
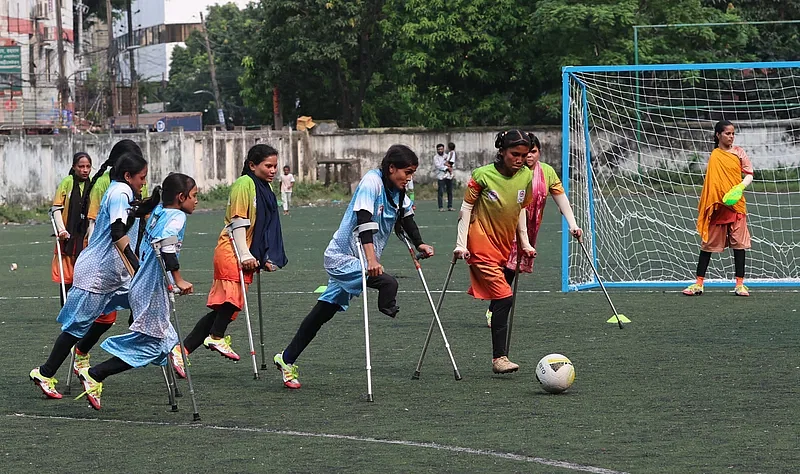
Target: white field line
(305,434)
(267,293)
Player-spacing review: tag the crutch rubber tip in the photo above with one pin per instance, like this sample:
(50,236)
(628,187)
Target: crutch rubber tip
(263,366)
(174,407)
(457,375)
(369,398)
(416,375)
(196,417)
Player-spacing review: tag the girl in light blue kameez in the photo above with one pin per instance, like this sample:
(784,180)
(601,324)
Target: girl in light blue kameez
(152,337)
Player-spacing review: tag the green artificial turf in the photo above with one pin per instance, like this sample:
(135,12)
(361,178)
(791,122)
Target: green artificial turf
(706,384)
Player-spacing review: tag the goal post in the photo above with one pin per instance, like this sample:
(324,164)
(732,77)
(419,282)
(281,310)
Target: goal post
(635,143)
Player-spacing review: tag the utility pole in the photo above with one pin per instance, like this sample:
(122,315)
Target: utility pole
(134,79)
(63,85)
(276,108)
(213,70)
(112,52)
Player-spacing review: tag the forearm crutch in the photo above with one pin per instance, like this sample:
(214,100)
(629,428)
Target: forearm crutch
(63,288)
(416,258)
(171,290)
(433,322)
(364,275)
(244,299)
(261,323)
(618,316)
(170,381)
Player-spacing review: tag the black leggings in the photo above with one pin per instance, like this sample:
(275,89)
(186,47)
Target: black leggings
(738,261)
(58,354)
(96,330)
(214,323)
(509,274)
(323,312)
(108,368)
(500,326)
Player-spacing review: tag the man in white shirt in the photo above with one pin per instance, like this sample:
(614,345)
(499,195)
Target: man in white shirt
(287,183)
(444,177)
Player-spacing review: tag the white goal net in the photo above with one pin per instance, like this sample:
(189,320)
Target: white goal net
(635,146)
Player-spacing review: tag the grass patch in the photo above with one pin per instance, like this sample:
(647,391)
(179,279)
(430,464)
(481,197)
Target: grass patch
(18,214)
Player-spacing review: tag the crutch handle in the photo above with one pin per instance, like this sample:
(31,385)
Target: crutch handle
(421,256)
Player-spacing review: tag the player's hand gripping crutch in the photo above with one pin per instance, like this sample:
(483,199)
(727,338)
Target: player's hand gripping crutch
(243,223)
(434,320)
(371,226)
(173,289)
(618,316)
(63,286)
(416,257)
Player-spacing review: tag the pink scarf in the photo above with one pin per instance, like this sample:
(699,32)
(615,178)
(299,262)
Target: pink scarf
(535,212)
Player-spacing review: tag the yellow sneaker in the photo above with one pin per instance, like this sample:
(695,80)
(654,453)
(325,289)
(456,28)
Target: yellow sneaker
(223,346)
(288,372)
(92,388)
(742,290)
(46,384)
(693,290)
(81,362)
(177,361)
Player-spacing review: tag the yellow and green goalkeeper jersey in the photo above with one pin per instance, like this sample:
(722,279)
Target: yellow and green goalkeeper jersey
(497,201)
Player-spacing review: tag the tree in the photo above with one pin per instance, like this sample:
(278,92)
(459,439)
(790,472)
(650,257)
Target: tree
(320,53)
(189,71)
(458,62)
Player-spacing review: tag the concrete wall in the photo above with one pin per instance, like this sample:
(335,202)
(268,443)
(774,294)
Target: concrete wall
(474,147)
(32,166)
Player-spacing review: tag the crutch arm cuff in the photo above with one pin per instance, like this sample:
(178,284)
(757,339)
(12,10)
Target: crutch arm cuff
(238,222)
(366,226)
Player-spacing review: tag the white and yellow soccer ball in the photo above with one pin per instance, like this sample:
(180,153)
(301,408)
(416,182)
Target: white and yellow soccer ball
(555,372)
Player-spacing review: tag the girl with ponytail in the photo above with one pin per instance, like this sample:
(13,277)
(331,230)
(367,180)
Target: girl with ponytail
(103,271)
(252,213)
(492,216)
(151,338)
(379,206)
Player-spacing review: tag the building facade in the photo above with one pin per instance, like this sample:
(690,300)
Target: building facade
(30,66)
(159,26)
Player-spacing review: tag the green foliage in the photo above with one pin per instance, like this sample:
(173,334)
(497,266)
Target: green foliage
(439,63)
(229,36)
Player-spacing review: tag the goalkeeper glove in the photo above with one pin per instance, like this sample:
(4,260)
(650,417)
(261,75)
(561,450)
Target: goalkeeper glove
(734,195)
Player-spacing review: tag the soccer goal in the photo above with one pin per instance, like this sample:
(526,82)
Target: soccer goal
(636,140)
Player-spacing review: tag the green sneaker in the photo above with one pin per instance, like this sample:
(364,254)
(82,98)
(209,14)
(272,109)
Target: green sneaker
(693,290)
(289,372)
(46,384)
(81,362)
(488,318)
(92,388)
